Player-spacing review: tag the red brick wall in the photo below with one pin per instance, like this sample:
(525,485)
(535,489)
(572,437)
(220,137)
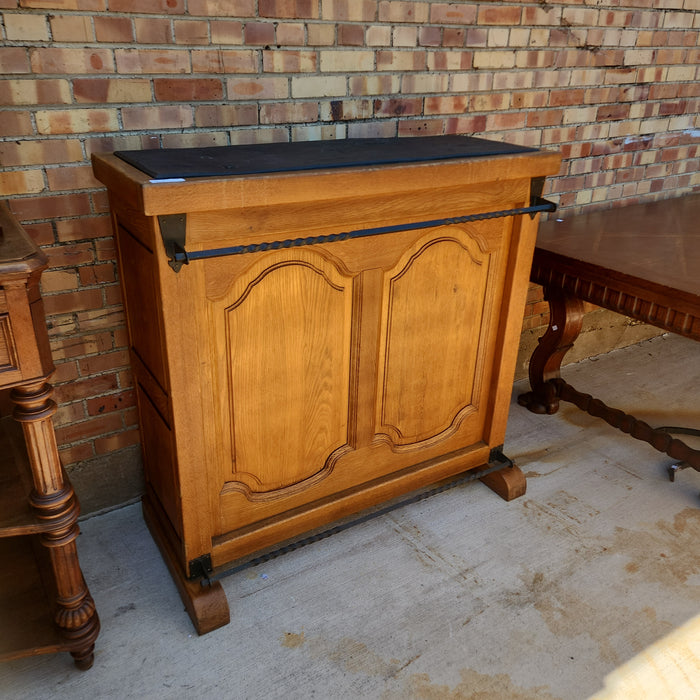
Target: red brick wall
(612,83)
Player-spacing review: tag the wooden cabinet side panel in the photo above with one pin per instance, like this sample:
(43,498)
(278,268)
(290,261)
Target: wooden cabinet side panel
(25,334)
(160,462)
(520,256)
(41,334)
(143,302)
(142,299)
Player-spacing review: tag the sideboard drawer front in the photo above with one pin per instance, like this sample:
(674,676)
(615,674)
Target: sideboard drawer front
(10,367)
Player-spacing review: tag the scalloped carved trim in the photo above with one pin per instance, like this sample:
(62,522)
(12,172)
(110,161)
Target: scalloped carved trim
(276,266)
(286,491)
(637,306)
(73,618)
(398,444)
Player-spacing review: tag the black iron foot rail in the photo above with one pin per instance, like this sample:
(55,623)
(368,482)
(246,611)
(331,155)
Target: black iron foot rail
(172,230)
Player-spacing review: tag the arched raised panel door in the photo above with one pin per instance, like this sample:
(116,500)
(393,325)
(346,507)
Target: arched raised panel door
(282,371)
(438,303)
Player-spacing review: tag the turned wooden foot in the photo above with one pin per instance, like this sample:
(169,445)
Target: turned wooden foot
(83,642)
(565,321)
(508,483)
(75,615)
(84,659)
(206,605)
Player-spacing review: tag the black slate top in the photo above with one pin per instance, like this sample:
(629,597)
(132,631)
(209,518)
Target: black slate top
(309,155)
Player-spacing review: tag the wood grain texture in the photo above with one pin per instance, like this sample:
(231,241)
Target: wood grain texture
(672,310)
(508,483)
(658,242)
(206,605)
(422,398)
(565,322)
(280,189)
(287,336)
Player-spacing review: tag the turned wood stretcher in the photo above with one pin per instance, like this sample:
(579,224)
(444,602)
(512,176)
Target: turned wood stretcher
(642,261)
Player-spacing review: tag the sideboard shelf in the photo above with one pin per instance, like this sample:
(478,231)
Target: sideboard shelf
(25,583)
(27,614)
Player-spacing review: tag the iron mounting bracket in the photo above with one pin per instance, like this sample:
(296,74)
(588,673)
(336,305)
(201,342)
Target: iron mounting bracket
(200,569)
(173,230)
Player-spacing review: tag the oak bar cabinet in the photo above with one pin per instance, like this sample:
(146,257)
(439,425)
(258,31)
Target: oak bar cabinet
(316,328)
(45,605)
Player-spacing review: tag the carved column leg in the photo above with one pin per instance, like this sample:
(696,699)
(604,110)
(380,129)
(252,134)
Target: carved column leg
(565,320)
(55,505)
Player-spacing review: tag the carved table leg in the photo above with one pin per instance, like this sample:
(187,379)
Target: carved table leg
(565,320)
(54,504)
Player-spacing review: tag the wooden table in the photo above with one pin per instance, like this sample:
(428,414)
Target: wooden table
(45,605)
(642,261)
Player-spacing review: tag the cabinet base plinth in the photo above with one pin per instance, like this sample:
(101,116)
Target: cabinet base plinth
(206,605)
(508,483)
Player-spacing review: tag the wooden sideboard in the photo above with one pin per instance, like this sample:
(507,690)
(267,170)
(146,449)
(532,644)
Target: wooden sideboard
(45,605)
(315,329)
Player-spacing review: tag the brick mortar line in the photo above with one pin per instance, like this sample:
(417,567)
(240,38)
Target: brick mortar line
(229,102)
(135,45)
(247,101)
(534,4)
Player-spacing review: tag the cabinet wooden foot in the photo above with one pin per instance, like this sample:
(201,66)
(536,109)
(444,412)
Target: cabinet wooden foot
(508,483)
(206,605)
(84,661)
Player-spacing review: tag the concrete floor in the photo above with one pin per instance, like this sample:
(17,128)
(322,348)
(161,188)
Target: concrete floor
(459,596)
